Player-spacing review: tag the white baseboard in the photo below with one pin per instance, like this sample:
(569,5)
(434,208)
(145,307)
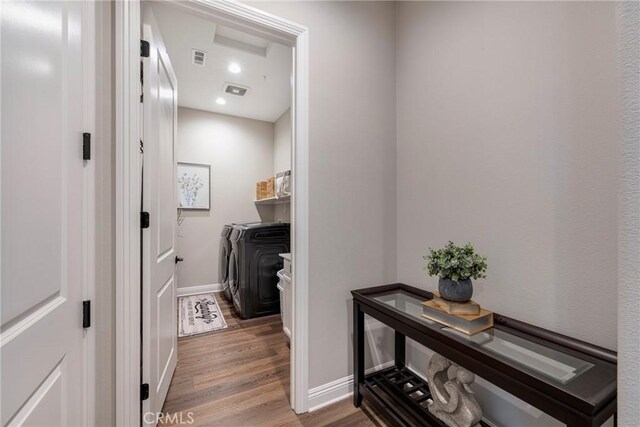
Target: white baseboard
(337,390)
(202,289)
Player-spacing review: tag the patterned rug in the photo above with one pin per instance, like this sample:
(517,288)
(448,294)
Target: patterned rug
(199,314)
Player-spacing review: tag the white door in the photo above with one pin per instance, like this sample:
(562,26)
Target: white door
(44,105)
(159,343)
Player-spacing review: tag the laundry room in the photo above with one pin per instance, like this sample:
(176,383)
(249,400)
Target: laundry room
(235,156)
(232,171)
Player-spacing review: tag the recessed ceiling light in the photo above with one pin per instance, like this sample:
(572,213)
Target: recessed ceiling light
(234,68)
(221,101)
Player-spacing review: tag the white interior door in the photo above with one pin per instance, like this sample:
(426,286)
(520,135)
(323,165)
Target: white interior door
(159,344)
(44,106)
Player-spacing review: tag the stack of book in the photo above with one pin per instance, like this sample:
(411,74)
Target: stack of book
(466,317)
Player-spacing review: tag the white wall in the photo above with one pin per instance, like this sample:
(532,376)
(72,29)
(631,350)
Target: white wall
(282,144)
(352,166)
(507,137)
(240,153)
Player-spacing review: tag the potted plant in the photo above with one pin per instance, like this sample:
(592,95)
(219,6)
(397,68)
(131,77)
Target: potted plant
(455,266)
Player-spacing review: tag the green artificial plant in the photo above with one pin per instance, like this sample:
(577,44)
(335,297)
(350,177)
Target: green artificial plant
(455,263)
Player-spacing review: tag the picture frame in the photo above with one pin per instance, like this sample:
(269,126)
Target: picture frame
(194,186)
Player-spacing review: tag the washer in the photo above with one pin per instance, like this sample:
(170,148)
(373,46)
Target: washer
(253,267)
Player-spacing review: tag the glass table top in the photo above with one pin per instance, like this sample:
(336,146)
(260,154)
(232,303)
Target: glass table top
(551,363)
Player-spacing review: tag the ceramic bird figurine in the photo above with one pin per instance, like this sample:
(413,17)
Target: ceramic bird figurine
(453,400)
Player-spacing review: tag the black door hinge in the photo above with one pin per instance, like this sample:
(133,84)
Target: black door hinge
(145,48)
(86,146)
(86,314)
(144,219)
(144,391)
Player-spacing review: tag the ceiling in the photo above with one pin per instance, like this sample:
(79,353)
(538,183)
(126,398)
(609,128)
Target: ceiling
(266,66)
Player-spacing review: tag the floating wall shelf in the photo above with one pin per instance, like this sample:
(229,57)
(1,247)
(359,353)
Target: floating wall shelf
(273,201)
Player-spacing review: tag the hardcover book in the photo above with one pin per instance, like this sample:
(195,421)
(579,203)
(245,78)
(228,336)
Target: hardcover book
(467,324)
(453,307)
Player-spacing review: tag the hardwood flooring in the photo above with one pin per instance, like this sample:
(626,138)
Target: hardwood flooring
(240,377)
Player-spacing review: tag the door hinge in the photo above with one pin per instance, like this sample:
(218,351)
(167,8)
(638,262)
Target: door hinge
(145,48)
(144,391)
(86,146)
(144,220)
(86,314)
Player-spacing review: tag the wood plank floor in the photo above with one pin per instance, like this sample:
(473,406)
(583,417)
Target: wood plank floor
(240,377)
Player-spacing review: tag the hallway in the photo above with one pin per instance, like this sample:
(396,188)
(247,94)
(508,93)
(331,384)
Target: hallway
(240,377)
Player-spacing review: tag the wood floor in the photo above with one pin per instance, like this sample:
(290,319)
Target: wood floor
(240,377)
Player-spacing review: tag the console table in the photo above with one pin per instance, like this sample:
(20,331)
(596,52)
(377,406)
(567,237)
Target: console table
(571,380)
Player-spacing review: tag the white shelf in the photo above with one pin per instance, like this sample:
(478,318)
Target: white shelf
(273,201)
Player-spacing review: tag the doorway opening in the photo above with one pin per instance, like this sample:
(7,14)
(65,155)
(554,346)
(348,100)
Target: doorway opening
(196,124)
(217,147)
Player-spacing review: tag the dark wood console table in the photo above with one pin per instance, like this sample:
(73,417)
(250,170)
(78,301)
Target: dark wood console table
(572,381)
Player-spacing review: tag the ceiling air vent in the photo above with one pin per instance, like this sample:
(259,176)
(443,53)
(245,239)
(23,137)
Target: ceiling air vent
(198,57)
(235,89)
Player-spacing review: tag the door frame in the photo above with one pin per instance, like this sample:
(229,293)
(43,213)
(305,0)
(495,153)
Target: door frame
(128,186)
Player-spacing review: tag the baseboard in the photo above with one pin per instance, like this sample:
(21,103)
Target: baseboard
(202,289)
(337,390)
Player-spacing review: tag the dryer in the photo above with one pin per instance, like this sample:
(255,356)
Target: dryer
(253,267)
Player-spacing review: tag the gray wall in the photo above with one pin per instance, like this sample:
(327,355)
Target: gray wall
(104,157)
(240,153)
(352,166)
(628,19)
(507,137)
(282,142)
(282,159)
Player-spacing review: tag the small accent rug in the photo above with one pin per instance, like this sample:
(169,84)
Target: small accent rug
(199,314)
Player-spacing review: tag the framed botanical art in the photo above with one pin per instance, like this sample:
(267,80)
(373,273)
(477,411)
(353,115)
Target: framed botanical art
(194,186)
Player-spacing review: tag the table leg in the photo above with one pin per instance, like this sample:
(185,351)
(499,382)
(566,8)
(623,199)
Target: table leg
(579,420)
(358,353)
(400,349)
